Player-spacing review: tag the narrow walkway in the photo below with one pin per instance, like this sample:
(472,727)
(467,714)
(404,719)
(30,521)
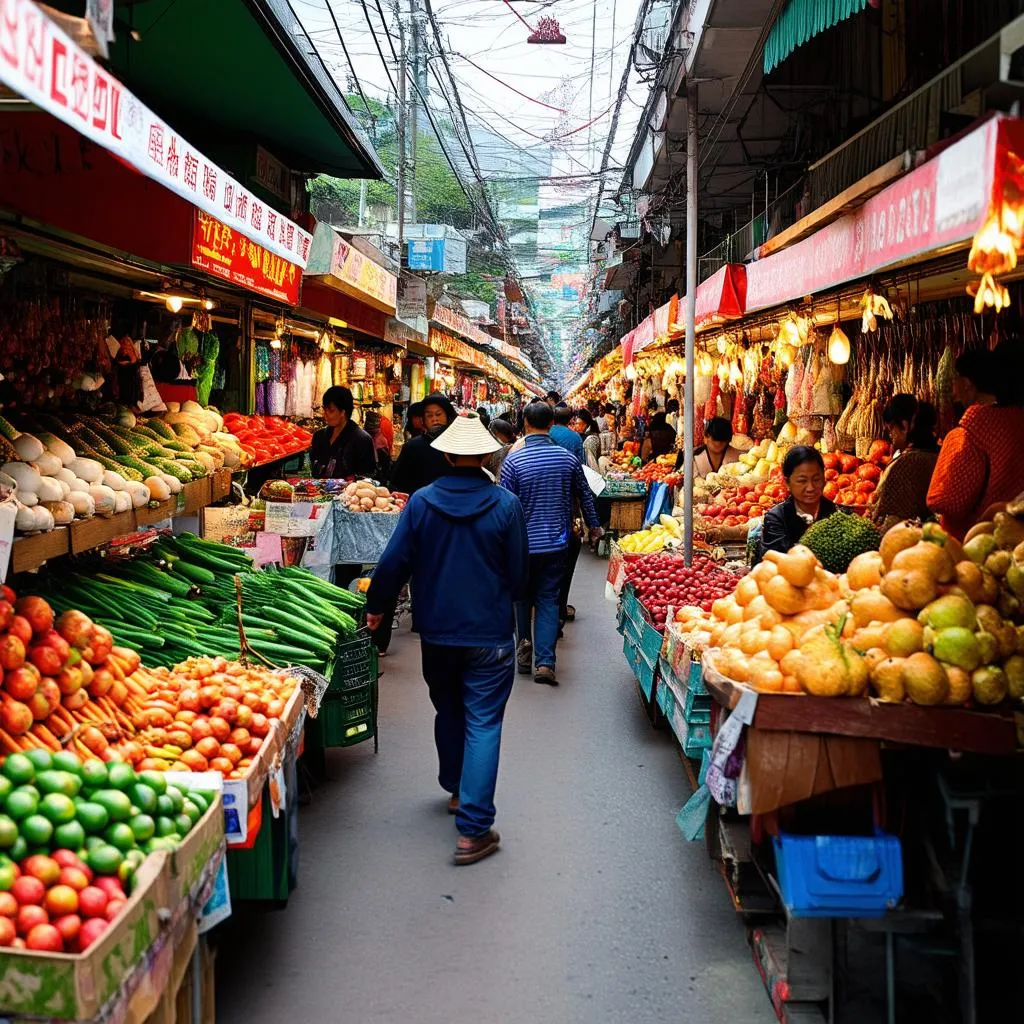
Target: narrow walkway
(595,911)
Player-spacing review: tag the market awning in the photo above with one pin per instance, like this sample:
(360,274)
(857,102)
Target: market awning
(343,310)
(127,213)
(626,345)
(936,207)
(643,335)
(336,263)
(455,322)
(41,63)
(802,20)
(240,70)
(720,298)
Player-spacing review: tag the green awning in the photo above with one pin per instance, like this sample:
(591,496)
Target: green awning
(801,21)
(229,73)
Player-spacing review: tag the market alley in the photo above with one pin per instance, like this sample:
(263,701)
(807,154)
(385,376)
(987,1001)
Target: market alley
(595,910)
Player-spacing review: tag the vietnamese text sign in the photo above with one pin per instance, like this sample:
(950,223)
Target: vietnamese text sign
(40,62)
(226,253)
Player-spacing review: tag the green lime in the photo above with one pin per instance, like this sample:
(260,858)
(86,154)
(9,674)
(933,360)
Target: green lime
(92,842)
(6,787)
(126,872)
(192,812)
(155,781)
(182,824)
(19,851)
(143,798)
(118,805)
(36,830)
(135,857)
(143,827)
(92,816)
(105,860)
(165,826)
(8,831)
(119,835)
(19,769)
(94,774)
(41,759)
(58,782)
(8,875)
(120,775)
(66,761)
(22,802)
(164,805)
(69,836)
(177,798)
(200,798)
(58,808)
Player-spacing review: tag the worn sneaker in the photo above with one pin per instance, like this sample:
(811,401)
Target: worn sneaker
(470,849)
(524,657)
(545,674)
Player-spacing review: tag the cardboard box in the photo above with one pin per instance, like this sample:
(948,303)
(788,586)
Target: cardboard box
(195,851)
(156,513)
(29,553)
(196,494)
(220,484)
(91,533)
(66,986)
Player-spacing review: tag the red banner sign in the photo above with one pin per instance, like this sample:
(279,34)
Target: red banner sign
(940,203)
(228,254)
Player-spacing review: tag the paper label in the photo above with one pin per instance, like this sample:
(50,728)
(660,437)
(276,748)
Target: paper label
(236,810)
(295,519)
(7,516)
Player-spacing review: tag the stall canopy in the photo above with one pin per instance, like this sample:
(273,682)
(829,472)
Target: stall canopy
(802,20)
(251,74)
(335,262)
(938,206)
(40,62)
(626,346)
(720,298)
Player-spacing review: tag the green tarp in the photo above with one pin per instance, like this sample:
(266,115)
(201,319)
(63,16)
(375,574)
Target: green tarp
(802,20)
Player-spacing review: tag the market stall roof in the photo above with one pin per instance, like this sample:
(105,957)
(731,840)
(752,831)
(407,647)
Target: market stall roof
(720,298)
(933,209)
(336,263)
(45,67)
(238,70)
(802,20)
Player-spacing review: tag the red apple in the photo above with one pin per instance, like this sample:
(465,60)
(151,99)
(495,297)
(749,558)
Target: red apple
(74,877)
(6,613)
(22,629)
(30,916)
(46,659)
(92,901)
(12,652)
(46,869)
(45,937)
(28,891)
(91,931)
(53,639)
(15,717)
(114,907)
(69,926)
(8,932)
(76,628)
(111,886)
(61,900)
(23,681)
(38,613)
(39,706)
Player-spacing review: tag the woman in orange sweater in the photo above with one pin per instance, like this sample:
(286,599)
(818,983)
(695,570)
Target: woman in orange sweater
(981,461)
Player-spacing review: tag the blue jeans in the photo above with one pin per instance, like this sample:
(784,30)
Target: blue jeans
(469,688)
(537,614)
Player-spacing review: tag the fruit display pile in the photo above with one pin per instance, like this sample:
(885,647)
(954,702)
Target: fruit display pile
(365,496)
(740,504)
(660,470)
(663,581)
(207,714)
(267,438)
(837,539)
(178,600)
(921,619)
(666,533)
(73,833)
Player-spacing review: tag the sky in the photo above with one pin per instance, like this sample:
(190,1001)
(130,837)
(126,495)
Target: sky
(506,85)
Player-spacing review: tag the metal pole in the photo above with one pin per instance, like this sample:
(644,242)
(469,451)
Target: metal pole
(691,314)
(413,110)
(400,183)
(362,202)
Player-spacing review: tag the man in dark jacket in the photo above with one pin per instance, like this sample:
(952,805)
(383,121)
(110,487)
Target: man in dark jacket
(419,463)
(463,543)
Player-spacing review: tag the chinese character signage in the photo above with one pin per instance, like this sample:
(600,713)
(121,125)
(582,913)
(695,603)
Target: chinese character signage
(40,62)
(367,281)
(224,252)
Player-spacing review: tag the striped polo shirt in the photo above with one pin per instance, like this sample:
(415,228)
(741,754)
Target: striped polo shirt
(546,478)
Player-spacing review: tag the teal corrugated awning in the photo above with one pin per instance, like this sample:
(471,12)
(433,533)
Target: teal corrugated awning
(801,21)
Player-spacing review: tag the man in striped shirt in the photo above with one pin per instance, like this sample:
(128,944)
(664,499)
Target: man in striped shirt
(546,479)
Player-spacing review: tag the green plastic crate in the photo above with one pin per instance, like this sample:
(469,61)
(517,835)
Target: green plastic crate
(355,664)
(344,723)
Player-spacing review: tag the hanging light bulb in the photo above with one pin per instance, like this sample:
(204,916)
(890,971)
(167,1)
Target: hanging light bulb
(785,356)
(723,344)
(735,374)
(705,364)
(723,372)
(789,333)
(174,303)
(838,346)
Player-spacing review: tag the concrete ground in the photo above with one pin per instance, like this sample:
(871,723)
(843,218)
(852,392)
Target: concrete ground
(595,910)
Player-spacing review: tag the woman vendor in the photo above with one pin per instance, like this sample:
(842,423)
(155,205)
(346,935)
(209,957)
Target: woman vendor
(785,523)
(717,450)
(660,440)
(903,490)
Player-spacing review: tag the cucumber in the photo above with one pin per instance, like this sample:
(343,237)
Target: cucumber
(194,573)
(296,622)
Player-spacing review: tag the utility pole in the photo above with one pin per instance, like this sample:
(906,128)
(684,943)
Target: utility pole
(400,184)
(416,50)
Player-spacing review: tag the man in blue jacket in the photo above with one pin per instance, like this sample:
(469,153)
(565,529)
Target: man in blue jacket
(463,543)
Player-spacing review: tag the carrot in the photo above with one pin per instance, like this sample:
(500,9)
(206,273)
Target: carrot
(45,737)
(9,743)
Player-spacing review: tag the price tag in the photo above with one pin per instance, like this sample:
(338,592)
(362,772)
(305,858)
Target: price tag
(179,502)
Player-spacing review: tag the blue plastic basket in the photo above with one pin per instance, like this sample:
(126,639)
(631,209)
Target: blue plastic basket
(839,876)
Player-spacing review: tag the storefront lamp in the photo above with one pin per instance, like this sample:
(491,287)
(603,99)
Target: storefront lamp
(838,346)
(174,303)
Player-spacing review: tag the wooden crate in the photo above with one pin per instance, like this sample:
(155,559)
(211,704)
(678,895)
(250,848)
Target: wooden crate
(627,515)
